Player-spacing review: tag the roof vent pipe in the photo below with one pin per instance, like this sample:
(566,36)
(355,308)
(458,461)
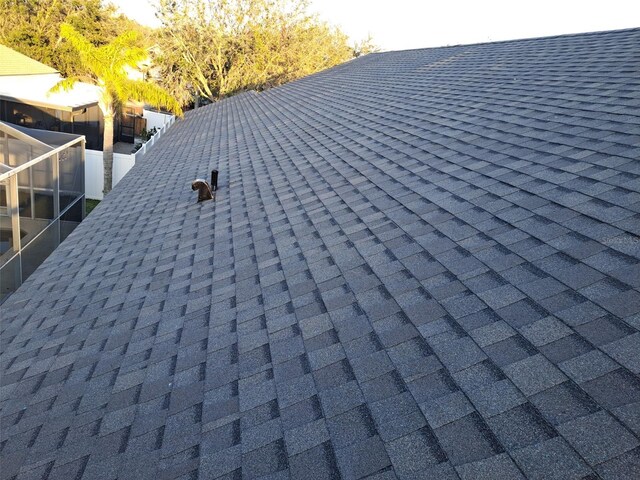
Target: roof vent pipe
(214,180)
(204,190)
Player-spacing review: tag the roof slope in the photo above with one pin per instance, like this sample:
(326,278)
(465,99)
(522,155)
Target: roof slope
(420,264)
(15,63)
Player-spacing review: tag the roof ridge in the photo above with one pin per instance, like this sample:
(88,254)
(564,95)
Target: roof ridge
(514,40)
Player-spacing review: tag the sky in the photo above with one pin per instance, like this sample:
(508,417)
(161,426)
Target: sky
(404,24)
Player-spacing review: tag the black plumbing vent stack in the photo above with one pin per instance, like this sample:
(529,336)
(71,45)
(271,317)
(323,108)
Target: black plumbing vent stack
(214,180)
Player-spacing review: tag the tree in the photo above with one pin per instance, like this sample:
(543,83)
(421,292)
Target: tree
(32,27)
(364,47)
(214,48)
(105,67)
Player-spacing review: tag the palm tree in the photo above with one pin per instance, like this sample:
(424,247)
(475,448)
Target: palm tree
(105,67)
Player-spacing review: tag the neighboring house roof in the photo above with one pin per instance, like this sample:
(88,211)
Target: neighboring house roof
(15,63)
(25,80)
(419,264)
(36,90)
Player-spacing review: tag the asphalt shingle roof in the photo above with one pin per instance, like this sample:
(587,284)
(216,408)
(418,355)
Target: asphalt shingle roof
(15,63)
(420,264)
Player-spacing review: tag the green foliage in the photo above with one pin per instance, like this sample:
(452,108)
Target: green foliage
(90,205)
(146,135)
(105,66)
(205,50)
(364,47)
(32,27)
(214,48)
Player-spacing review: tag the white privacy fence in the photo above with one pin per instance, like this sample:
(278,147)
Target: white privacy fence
(161,129)
(94,171)
(157,119)
(122,163)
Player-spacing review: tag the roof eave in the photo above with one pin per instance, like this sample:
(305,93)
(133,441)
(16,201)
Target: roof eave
(36,103)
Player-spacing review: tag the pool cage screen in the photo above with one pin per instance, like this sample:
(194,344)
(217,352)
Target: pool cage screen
(41,198)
